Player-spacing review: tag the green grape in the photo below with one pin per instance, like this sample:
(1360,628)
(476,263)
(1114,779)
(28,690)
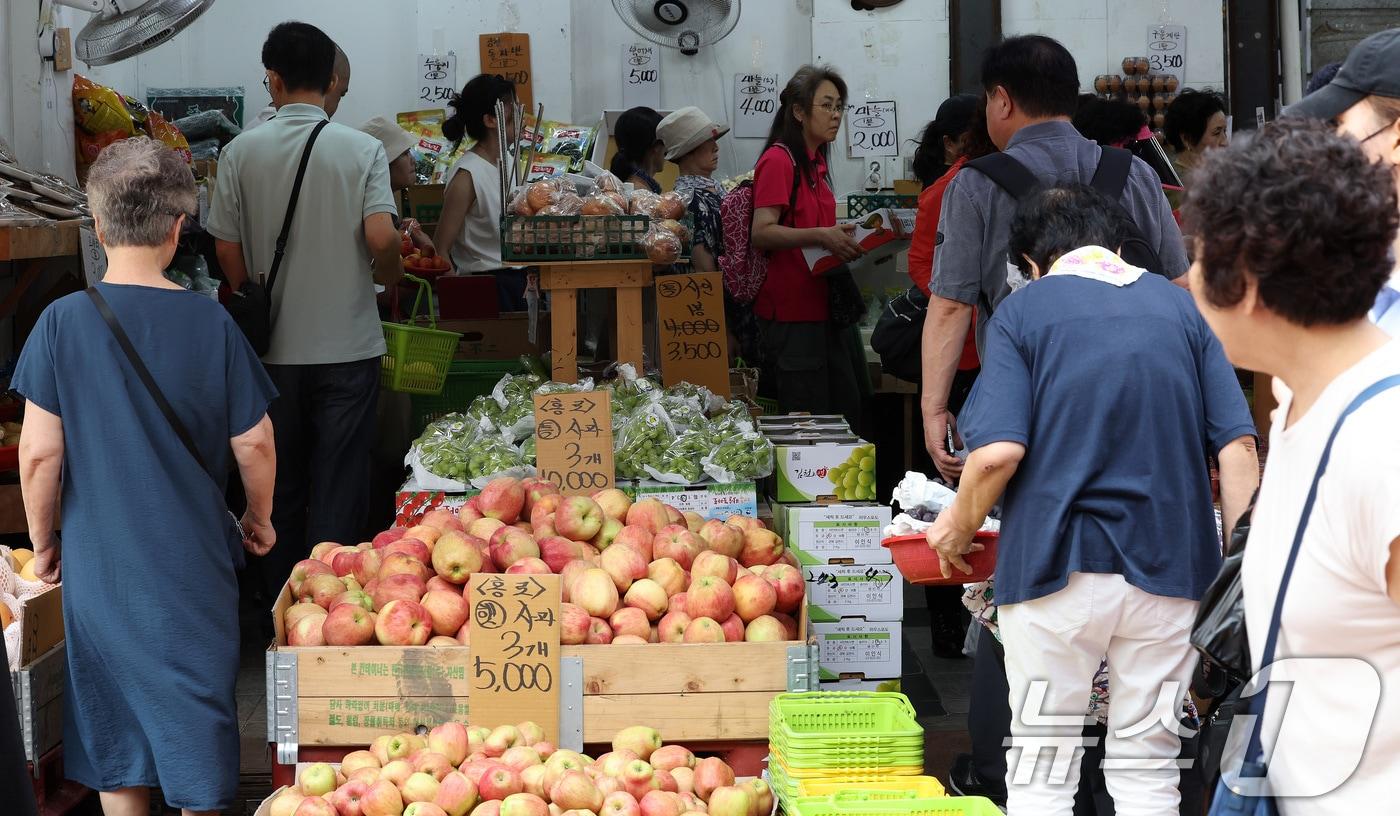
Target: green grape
(867,463)
(865,478)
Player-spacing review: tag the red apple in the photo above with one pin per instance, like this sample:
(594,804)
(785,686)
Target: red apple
(403,623)
(348,625)
(307,631)
(660,803)
(671,628)
(710,774)
(704,630)
(346,798)
(670,757)
(599,632)
(450,740)
(456,557)
(315,806)
(715,565)
(502,499)
(765,628)
(401,587)
(648,596)
(557,551)
(438,519)
(595,592)
(401,563)
(570,574)
(679,602)
(409,546)
(574,624)
(344,561)
(761,547)
(579,518)
(499,782)
(388,537)
(428,536)
(321,589)
(322,552)
(630,621)
(529,566)
(367,567)
(744,523)
(354,597)
(438,582)
(731,800)
(650,514)
(754,597)
(638,538)
(789,624)
(614,503)
(670,575)
(763,796)
(620,803)
(448,611)
(575,791)
(788,586)
(710,597)
(607,534)
(456,794)
(675,541)
(625,565)
(418,787)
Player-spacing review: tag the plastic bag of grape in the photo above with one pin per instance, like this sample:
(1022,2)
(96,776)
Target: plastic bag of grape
(680,462)
(437,457)
(741,457)
(494,457)
(643,441)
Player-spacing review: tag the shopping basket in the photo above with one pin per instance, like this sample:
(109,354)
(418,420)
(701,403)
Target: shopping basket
(941,806)
(416,358)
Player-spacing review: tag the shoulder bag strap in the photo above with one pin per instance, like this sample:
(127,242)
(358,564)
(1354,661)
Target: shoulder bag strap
(1008,173)
(292,205)
(1256,704)
(1111,176)
(146,379)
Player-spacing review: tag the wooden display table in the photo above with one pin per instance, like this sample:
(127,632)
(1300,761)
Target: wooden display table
(32,246)
(564,280)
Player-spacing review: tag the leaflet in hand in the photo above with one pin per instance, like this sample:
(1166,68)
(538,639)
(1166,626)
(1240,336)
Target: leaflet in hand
(873,229)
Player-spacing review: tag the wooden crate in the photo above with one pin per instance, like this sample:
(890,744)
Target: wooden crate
(691,692)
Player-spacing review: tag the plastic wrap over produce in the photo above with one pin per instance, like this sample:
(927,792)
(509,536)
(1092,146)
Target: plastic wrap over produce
(919,495)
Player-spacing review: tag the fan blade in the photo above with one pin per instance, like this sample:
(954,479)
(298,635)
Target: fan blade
(108,39)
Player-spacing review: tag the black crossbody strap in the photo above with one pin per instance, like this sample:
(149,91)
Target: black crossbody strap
(1111,176)
(292,206)
(146,379)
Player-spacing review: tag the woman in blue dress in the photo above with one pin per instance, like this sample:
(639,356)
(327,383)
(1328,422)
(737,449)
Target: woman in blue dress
(148,551)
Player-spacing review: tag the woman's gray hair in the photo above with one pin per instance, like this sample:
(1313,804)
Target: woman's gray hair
(137,189)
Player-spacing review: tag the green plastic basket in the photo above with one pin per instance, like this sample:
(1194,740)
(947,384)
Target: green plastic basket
(817,761)
(858,204)
(942,806)
(896,787)
(466,380)
(834,719)
(416,358)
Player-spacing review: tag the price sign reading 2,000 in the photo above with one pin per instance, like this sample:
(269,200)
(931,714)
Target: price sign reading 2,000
(514,640)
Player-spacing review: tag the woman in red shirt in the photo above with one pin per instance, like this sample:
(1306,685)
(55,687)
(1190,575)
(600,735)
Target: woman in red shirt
(956,136)
(806,359)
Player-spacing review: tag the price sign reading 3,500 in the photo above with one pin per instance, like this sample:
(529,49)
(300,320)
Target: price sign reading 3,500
(514,639)
(695,348)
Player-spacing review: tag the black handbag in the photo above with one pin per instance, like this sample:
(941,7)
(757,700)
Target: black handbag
(251,306)
(898,335)
(144,374)
(845,302)
(1219,633)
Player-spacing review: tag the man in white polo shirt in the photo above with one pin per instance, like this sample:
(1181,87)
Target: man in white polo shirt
(326,334)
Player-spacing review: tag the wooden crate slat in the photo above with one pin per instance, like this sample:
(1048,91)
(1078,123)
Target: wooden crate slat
(440,672)
(679,717)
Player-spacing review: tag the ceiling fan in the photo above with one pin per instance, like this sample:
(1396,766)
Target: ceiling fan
(124,28)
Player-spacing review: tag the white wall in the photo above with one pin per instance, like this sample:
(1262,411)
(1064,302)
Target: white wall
(773,36)
(1100,33)
(576,53)
(900,54)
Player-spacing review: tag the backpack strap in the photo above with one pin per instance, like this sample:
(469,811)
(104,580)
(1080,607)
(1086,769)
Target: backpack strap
(1111,176)
(1008,173)
(796,180)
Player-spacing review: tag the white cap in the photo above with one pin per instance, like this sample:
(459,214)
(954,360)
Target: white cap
(686,129)
(397,141)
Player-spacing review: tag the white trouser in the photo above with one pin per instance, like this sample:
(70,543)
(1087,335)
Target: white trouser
(1059,639)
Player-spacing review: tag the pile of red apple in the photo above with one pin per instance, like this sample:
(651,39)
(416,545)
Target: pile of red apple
(512,771)
(630,573)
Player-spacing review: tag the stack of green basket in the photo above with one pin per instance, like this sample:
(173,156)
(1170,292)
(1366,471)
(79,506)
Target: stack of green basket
(891,803)
(818,738)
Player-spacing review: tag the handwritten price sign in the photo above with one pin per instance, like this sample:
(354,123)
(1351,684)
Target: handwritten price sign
(755,103)
(514,645)
(694,340)
(641,76)
(574,440)
(1166,50)
(509,56)
(437,78)
(872,129)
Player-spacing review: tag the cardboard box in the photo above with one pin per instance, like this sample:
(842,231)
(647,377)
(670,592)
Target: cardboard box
(424,202)
(805,461)
(831,533)
(835,591)
(709,500)
(411,502)
(504,338)
(892,684)
(774,424)
(854,647)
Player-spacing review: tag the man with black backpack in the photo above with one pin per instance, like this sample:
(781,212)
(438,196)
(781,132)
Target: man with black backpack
(1032,87)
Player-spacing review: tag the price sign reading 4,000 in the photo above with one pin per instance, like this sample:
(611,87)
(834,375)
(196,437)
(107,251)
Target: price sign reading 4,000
(514,640)
(574,440)
(694,340)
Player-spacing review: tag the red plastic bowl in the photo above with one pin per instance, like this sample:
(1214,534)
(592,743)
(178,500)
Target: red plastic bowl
(918,562)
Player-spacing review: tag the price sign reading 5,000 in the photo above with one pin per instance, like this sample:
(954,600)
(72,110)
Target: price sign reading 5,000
(514,640)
